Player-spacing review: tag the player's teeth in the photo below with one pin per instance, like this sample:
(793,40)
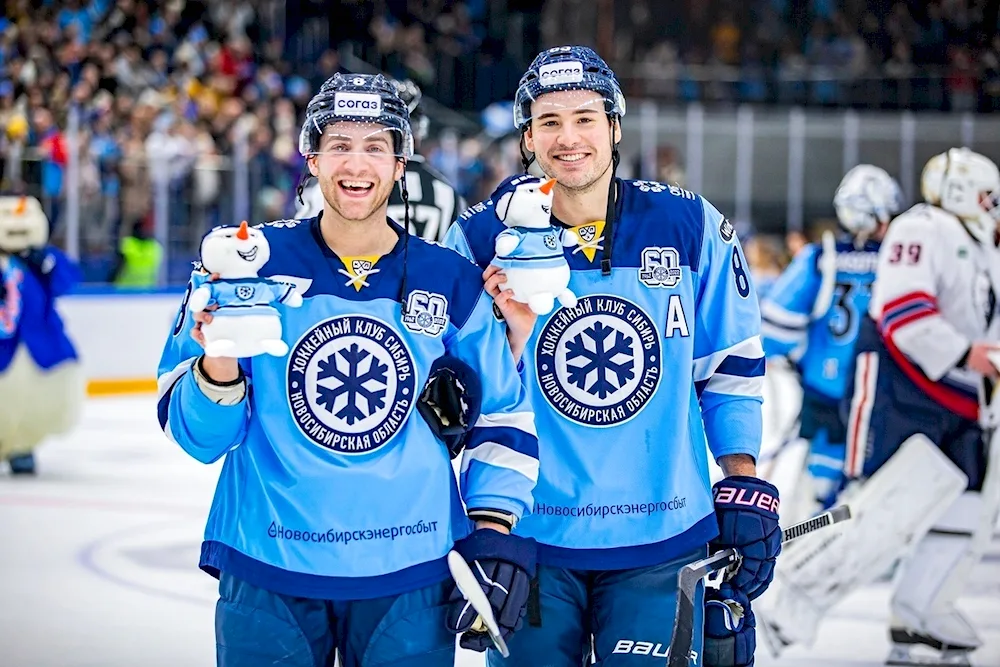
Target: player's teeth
(572,158)
(356,184)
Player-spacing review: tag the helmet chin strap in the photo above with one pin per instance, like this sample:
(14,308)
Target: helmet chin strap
(983,228)
(609,217)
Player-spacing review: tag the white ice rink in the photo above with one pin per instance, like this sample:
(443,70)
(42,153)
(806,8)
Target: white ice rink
(99,554)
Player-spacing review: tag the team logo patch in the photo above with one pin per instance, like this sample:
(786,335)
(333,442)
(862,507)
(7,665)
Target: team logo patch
(661,267)
(727,231)
(590,238)
(550,241)
(244,292)
(599,364)
(351,384)
(426,313)
(649,186)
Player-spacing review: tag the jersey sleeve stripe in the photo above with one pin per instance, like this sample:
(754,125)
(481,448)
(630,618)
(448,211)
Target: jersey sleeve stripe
(500,456)
(522,421)
(782,317)
(735,385)
(505,436)
(705,367)
(741,366)
(166,381)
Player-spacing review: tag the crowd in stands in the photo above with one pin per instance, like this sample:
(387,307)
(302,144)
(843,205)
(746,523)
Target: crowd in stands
(190,88)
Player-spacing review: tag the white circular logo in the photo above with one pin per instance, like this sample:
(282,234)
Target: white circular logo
(599,363)
(351,383)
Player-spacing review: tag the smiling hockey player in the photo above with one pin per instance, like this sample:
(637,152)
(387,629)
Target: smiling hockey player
(337,505)
(661,353)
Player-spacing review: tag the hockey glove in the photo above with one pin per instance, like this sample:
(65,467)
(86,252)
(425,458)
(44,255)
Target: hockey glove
(39,261)
(730,628)
(747,510)
(451,401)
(504,566)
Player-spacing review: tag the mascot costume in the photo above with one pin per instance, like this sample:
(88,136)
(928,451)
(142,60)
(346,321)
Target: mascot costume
(41,386)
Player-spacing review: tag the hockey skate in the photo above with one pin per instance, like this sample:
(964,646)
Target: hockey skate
(944,640)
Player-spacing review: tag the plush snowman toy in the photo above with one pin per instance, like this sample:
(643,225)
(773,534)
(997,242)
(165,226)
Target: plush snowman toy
(246,324)
(530,250)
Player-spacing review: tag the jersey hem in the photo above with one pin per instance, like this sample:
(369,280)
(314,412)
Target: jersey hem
(217,557)
(626,558)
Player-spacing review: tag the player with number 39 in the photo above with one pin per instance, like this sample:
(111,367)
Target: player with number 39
(661,354)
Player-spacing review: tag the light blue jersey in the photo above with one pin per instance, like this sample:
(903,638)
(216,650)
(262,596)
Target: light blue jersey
(536,248)
(333,486)
(819,337)
(250,296)
(657,357)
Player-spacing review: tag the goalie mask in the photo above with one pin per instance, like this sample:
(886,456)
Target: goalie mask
(967,185)
(866,198)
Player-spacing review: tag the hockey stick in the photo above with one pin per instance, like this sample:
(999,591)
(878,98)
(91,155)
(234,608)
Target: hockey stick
(679,653)
(469,587)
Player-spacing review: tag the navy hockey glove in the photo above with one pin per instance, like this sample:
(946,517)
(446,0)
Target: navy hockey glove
(730,628)
(504,566)
(38,260)
(747,510)
(451,401)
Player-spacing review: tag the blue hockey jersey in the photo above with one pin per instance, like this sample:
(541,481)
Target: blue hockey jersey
(814,327)
(333,486)
(626,387)
(536,248)
(28,312)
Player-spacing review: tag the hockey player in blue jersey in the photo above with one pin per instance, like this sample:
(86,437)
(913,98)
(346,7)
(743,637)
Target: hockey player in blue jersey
(661,354)
(812,316)
(336,504)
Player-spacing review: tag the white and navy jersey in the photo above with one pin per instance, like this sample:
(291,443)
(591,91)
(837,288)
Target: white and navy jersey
(934,296)
(816,326)
(334,487)
(656,359)
(434,203)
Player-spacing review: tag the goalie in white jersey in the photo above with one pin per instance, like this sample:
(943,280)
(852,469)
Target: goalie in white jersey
(922,358)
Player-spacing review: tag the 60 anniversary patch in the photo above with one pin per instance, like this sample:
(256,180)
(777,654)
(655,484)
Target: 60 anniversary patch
(351,383)
(599,363)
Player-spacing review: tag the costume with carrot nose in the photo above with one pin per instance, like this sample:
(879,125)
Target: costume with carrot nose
(41,386)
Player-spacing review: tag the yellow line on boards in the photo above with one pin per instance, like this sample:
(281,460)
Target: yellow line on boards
(123,386)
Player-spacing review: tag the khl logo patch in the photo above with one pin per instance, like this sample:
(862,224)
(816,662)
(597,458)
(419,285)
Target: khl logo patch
(661,267)
(426,313)
(599,364)
(351,384)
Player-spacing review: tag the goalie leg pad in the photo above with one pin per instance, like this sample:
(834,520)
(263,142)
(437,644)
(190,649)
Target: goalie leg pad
(894,509)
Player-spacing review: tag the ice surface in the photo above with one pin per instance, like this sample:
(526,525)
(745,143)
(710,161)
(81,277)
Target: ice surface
(98,558)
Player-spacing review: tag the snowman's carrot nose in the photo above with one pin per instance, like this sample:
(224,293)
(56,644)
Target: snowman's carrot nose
(243,235)
(548,186)
(22,206)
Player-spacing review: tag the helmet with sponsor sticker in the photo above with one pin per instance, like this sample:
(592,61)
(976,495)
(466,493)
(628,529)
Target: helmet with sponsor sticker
(361,98)
(567,68)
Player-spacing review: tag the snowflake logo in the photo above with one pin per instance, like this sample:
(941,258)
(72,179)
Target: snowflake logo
(599,364)
(606,357)
(364,392)
(649,186)
(351,383)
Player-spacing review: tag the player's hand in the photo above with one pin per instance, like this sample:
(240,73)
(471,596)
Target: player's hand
(519,317)
(503,564)
(747,510)
(979,359)
(218,369)
(730,629)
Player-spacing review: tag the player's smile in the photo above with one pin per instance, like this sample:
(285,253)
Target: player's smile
(355,188)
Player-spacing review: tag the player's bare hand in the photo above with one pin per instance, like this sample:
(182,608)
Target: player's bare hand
(979,360)
(203,317)
(519,317)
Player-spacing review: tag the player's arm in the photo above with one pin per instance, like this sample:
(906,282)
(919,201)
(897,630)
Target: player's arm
(500,463)
(202,405)
(786,311)
(905,304)
(729,357)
